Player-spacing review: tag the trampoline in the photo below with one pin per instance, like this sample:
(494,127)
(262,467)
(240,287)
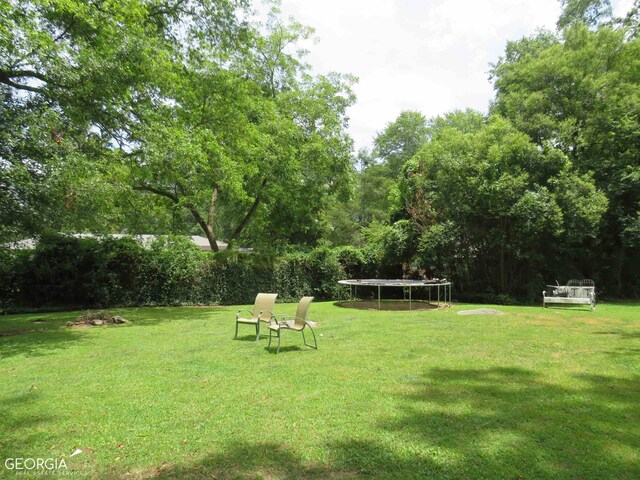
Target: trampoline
(437,283)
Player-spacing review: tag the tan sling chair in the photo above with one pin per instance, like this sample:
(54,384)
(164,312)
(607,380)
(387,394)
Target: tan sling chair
(298,323)
(262,312)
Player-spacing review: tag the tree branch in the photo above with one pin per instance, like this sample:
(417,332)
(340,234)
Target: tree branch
(19,86)
(148,188)
(65,31)
(207,229)
(22,73)
(7,76)
(236,233)
(213,206)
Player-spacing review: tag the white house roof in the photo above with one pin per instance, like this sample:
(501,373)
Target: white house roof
(144,239)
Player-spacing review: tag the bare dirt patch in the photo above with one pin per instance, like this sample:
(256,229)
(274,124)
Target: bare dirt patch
(97,319)
(481,311)
(205,306)
(40,320)
(394,305)
(20,332)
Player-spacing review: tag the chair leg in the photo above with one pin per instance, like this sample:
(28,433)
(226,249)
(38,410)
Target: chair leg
(257,330)
(269,338)
(314,339)
(278,351)
(236,331)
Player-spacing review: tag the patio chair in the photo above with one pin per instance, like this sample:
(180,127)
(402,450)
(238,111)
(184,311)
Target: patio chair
(298,323)
(262,312)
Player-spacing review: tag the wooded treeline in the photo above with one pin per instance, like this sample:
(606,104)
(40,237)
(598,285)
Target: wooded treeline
(545,186)
(191,117)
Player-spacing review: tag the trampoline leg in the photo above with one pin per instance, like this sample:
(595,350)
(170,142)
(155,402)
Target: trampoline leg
(409,298)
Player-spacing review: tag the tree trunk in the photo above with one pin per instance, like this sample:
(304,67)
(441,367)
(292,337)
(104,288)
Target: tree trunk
(502,272)
(206,228)
(620,257)
(236,233)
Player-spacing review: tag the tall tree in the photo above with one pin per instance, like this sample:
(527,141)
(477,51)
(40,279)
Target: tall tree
(72,76)
(181,99)
(579,90)
(586,12)
(400,140)
(495,211)
(259,148)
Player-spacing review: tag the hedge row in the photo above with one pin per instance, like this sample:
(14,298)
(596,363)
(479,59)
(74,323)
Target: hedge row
(68,272)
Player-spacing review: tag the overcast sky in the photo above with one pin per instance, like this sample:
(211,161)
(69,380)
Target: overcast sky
(432,56)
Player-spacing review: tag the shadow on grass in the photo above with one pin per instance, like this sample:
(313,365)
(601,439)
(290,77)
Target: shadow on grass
(22,336)
(569,307)
(623,350)
(39,343)
(247,338)
(32,427)
(284,348)
(515,424)
(469,423)
(244,460)
(621,334)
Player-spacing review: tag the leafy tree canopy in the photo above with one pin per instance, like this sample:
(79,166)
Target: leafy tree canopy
(488,202)
(400,140)
(185,100)
(579,91)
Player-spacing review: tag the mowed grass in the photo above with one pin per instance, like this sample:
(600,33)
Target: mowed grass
(531,394)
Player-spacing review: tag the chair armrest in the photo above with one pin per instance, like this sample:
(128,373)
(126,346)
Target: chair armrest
(243,310)
(271,315)
(281,319)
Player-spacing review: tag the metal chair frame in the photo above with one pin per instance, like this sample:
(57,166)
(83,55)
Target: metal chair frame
(297,322)
(263,315)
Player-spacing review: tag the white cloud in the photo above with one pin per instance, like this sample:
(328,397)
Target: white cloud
(427,55)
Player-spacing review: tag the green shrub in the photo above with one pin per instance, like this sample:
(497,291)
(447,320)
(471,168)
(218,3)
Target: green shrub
(324,271)
(69,272)
(291,279)
(121,261)
(357,262)
(64,271)
(171,273)
(11,262)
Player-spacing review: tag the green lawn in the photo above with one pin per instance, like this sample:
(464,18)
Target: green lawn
(533,394)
